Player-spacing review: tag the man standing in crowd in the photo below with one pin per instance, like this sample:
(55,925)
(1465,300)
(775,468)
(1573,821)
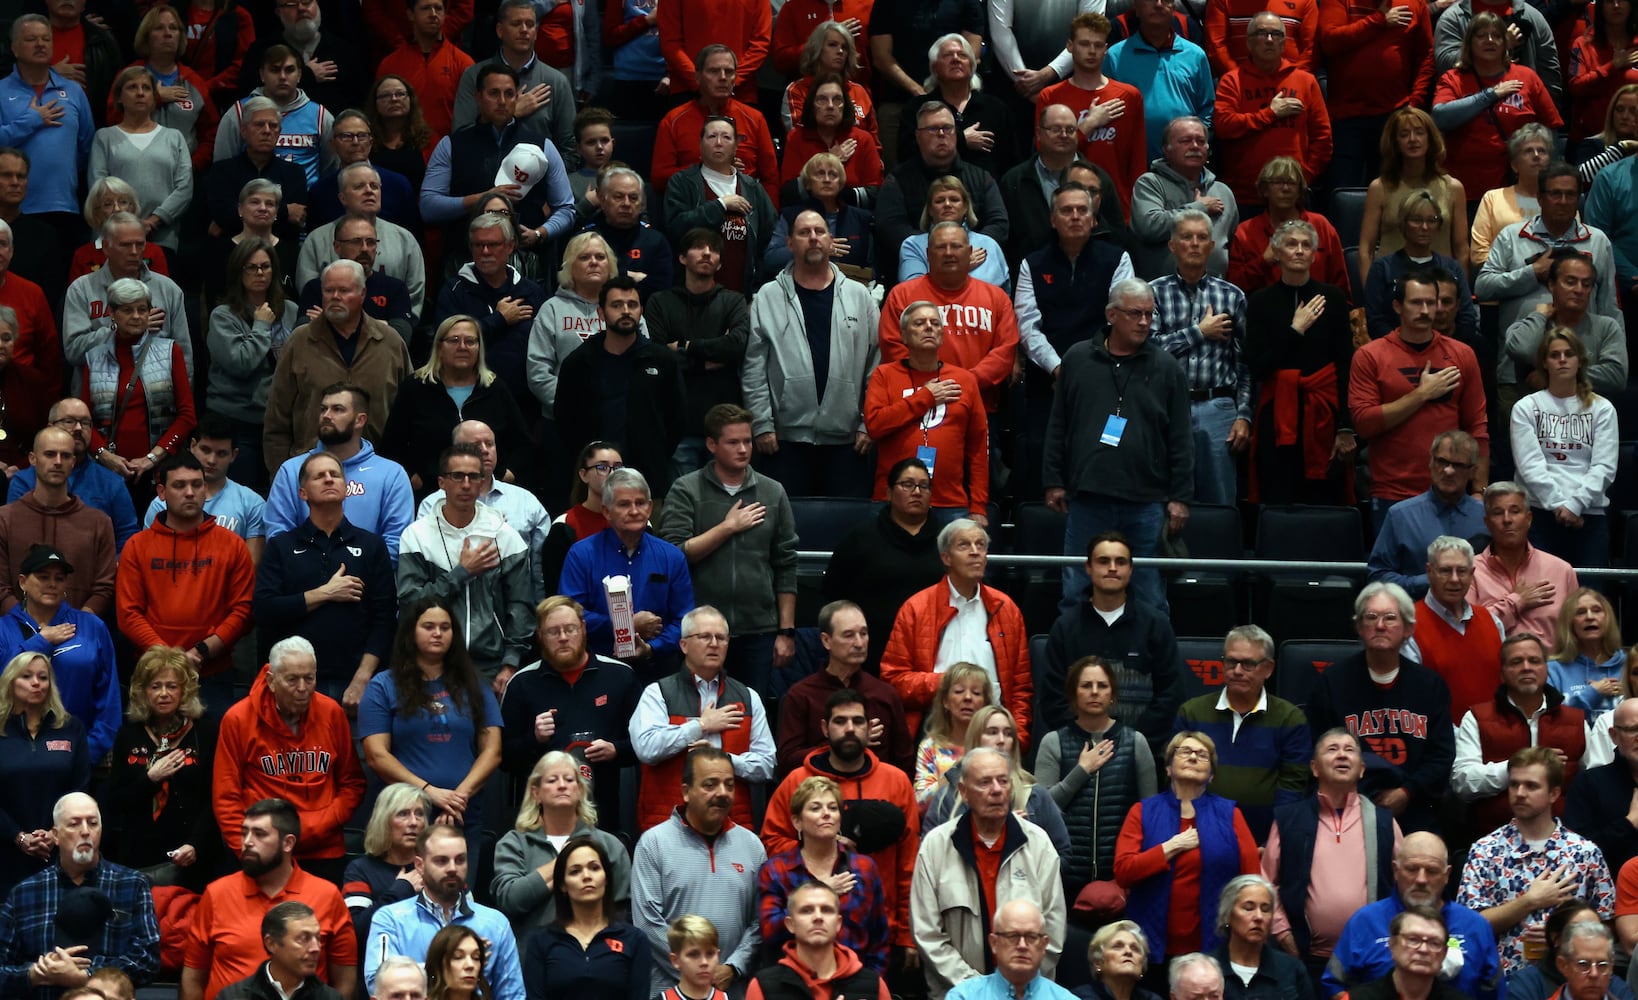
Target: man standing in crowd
(330,582)
(503,301)
(236,508)
(1180,179)
(1399,709)
(294,941)
(1109,118)
(467,555)
(1456,640)
(1447,508)
(386,296)
(699,861)
(515,504)
(845,635)
(713,74)
(289,742)
(396,251)
(51,907)
(1323,880)
(814,960)
(1603,803)
(408,926)
(1516,876)
(225,940)
(1128,463)
(83,535)
(700,705)
(1525,586)
(592,696)
(737,531)
(545,102)
(1018,939)
(188,582)
(378,498)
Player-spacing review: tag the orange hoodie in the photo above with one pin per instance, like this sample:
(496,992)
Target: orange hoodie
(847,964)
(258,757)
(177,588)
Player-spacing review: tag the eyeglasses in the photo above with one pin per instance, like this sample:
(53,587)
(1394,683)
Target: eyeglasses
(914,486)
(367,241)
(1192,753)
(462,477)
(562,631)
(258,268)
(487,246)
(353,136)
(69,423)
(1059,130)
(1373,618)
(1019,939)
(709,638)
(392,95)
(1418,943)
(1587,966)
(1231,663)
(1451,463)
(606,467)
(937,129)
(1136,313)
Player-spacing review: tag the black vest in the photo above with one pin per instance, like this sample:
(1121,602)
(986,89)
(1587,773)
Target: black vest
(475,154)
(1071,295)
(781,982)
(1298,823)
(1099,808)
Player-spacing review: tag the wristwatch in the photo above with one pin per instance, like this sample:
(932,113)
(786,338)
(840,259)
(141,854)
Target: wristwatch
(787,633)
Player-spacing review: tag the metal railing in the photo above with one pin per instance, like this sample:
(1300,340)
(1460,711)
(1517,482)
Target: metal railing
(1228,565)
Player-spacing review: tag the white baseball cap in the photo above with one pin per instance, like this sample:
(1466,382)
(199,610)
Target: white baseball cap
(525,165)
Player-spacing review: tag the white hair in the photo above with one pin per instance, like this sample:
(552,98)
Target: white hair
(285,649)
(72,798)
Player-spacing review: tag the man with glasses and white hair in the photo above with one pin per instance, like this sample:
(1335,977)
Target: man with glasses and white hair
(661,587)
(1128,465)
(643,251)
(699,706)
(952,892)
(1019,943)
(1457,640)
(85,309)
(1398,708)
(397,251)
(515,504)
(1418,941)
(386,297)
(1586,960)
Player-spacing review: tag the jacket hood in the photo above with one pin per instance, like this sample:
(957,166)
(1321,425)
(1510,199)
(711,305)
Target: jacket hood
(1166,170)
(366,451)
(297,101)
(847,964)
(819,762)
(1284,68)
(72,505)
(787,279)
(575,300)
(468,273)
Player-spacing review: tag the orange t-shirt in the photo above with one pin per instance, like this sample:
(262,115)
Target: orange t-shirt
(989,868)
(225,938)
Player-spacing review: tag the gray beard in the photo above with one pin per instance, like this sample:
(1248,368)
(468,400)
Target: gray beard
(303,33)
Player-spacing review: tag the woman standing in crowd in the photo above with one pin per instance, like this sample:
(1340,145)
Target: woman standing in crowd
(385,872)
(1252,262)
(1095,770)
(1299,346)
(983,136)
(1119,957)
(453,386)
(816,814)
(584,951)
(454,966)
(1253,968)
(1420,221)
(258,210)
(154,159)
(557,808)
(43,755)
(823,182)
(78,643)
(1413,159)
(1600,65)
(403,142)
(26,392)
(1565,440)
(829,51)
(1179,849)
(107,196)
(962,691)
(949,201)
(1528,150)
(993,726)
(1587,661)
(829,122)
(1482,100)
(157,802)
(585,516)
(136,384)
(569,317)
(184,101)
(716,194)
(247,333)
(430,720)
(1619,139)
(220,32)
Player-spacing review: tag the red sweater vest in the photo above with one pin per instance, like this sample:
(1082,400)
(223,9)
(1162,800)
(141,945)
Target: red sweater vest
(1470,663)
(1504,731)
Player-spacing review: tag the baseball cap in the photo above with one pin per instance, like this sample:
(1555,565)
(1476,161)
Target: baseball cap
(525,165)
(41,556)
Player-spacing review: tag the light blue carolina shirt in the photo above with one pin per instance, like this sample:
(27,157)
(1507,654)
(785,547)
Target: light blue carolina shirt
(237,508)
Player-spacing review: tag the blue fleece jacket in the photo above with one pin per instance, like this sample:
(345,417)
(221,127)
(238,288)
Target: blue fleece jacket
(379,498)
(83,667)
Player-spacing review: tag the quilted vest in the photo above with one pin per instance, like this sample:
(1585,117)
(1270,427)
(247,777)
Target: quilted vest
(1096,813)
(158,393)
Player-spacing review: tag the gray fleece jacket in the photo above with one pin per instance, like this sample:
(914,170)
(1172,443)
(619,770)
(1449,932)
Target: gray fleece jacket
(778,381)
(1156,198)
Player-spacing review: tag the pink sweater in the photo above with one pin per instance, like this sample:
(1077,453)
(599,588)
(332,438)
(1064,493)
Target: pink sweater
(1493,587)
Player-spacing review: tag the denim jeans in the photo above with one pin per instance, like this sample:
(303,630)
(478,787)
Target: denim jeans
(1141,523)
(1215,470)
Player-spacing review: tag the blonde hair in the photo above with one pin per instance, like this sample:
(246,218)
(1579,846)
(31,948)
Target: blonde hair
(812,788)
(691,929)
(392,798)
(938,717)
(148,668)
(949,182)
(432,372)
(8,677)
(529,818)
(571,250)
(1583,384)
(1190,734)
(1022,780)
(1565,646)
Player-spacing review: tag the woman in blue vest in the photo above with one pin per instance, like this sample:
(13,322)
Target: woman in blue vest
(1253,967)
(136,384)
(1178,850)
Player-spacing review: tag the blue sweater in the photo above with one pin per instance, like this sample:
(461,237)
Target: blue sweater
(379,498)
(83,667)
(96,486)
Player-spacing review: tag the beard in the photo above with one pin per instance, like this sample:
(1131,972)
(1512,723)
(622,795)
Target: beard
(331,435)
(625,326)
(83,854)
(256,866)
(304,32)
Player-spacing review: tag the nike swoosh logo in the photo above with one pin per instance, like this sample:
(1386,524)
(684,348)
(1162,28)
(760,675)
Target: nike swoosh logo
(297,552)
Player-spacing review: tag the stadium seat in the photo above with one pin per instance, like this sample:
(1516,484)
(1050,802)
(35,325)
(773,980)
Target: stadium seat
(1203,660)
(1208,602)
(1308,605)
(1356,288)
(1038,530)
(821,524)
(1301,662)
(1347,214)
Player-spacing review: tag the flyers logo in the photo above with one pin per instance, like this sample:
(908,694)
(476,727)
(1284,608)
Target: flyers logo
(616,945)
(379,300)
(739,868)
(1046,278)
(520,175)
(1389,748)
(602,700)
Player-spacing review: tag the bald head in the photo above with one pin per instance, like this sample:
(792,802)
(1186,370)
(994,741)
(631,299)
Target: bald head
(479,435)
(1421,867)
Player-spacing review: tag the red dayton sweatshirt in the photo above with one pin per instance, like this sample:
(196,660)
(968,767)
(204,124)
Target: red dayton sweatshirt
(1251,135)
(1372,66)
